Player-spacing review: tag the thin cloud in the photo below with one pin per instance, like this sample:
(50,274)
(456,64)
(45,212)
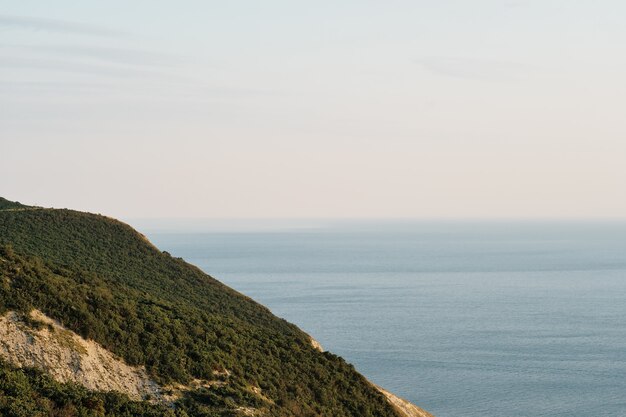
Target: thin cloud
(22,63)
(56,26)
(106,54)
(475,69)
(182,88)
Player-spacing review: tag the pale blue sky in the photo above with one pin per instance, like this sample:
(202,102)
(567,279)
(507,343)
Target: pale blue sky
(427,109)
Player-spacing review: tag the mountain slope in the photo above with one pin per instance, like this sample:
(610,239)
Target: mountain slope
(104,281)
(10,205)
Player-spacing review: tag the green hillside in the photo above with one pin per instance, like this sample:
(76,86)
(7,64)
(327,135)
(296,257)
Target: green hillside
(103,280)
(10,205)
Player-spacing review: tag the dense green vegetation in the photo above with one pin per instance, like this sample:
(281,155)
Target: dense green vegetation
(31,393)
(105,281)
(8,205)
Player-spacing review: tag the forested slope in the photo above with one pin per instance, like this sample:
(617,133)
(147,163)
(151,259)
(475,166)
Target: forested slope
(103,280)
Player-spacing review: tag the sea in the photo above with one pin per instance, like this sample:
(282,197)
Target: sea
(463,318)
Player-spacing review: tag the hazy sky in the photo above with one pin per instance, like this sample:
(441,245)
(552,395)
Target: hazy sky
(315,109)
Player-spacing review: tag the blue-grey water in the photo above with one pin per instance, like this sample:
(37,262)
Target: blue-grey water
(464,319)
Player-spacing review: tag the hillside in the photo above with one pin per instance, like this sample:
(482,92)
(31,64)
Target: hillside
(10,205)
(210,350)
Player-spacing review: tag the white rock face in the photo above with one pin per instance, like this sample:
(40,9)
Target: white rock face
(66,357)
(316,345)
(405,408)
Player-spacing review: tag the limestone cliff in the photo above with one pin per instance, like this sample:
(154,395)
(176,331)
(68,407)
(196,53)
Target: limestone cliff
(40,342)
(402,406)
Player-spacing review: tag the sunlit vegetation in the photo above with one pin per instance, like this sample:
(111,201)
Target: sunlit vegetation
(106,282)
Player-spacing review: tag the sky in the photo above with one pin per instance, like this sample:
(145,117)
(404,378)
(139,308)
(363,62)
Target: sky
(328,109)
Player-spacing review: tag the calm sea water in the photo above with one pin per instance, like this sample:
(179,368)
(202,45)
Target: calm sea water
(463,319)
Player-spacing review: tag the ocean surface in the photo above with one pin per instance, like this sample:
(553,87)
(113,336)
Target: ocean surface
(465,319)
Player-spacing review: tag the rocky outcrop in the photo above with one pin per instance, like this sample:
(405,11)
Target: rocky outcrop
(316,345)
(402,406)
(40,342)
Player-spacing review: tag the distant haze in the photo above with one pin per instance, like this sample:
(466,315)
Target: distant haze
(355,109)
